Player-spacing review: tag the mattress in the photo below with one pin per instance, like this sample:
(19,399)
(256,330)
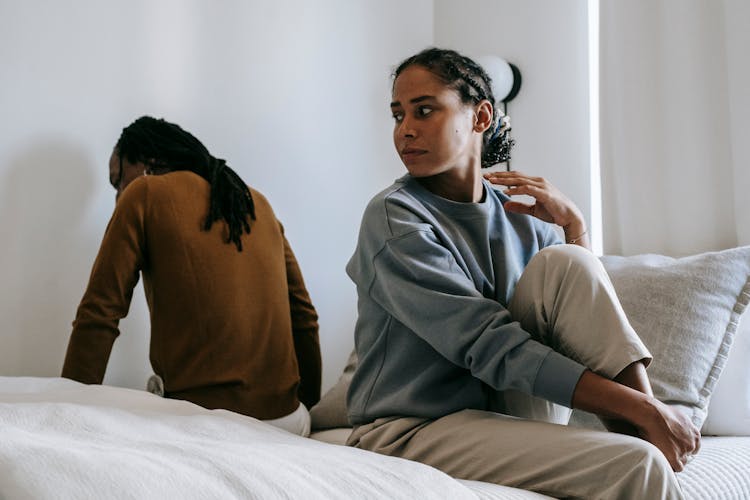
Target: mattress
(721,471)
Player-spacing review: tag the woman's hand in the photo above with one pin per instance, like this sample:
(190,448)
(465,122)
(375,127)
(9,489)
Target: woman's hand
(671,431)
(663,426)
(550,204)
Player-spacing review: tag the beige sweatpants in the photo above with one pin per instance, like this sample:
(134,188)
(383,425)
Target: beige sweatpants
(565,300)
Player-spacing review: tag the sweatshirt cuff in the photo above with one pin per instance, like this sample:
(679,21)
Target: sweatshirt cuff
(557,378)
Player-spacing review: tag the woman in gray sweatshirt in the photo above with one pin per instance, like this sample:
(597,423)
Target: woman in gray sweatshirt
(479,327)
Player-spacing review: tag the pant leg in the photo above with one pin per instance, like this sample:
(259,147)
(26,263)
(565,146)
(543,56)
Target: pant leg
(551,459)
(565,299)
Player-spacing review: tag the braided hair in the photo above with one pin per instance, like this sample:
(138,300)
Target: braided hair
(473,85)
(165,147)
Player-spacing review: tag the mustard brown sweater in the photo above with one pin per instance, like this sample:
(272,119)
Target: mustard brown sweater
(233,330)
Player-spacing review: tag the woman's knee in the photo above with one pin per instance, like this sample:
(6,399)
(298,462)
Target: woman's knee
(568,260)
(567,254)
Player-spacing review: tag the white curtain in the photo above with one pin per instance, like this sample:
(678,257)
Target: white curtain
(675,133)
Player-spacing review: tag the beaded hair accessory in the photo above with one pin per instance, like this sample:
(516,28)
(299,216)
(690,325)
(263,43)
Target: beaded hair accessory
(502,125)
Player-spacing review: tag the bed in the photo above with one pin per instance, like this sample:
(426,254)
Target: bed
(64,440)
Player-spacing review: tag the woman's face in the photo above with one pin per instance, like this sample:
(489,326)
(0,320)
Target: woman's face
(434,130)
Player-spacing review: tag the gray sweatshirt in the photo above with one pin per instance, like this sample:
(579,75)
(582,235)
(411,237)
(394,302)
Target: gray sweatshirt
(433,278)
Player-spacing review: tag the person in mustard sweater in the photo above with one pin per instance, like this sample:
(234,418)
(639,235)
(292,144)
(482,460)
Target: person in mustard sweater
(232,324)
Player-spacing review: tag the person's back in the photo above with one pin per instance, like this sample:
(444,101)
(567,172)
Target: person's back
(231,319)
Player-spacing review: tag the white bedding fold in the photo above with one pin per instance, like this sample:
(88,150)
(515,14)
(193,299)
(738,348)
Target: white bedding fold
(62,440)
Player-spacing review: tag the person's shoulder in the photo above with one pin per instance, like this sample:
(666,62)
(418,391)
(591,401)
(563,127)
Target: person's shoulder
(257,194)
(131,204)
(262,206)
(172,181)
(259,199)
(156,191)
(495,192)
(394,210)
(390,215)
(388,194)
(135,192)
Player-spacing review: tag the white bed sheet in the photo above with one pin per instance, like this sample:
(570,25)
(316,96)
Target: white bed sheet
(61,439)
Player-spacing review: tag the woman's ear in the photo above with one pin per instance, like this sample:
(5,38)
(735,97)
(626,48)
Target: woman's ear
(483,116)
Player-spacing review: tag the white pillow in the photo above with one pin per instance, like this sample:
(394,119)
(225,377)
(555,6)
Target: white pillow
(729,411)
(686,311)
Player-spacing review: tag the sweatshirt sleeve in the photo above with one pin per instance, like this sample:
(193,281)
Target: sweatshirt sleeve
(110,289)
(418,281)
(304,331)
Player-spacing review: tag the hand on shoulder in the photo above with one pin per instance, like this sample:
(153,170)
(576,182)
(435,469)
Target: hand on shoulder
(551,205)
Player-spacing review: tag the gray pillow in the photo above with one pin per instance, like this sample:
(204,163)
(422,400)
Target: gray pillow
(686,311)
(330,412)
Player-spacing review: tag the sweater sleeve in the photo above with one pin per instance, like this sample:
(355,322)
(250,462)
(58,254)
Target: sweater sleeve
(110,289)
(304,331)
(418,281)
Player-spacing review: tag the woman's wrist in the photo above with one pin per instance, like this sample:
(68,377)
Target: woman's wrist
(575,231)
(644,411)
(575,239)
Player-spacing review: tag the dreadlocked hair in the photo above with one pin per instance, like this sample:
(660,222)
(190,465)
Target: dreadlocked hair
(165,147)
(473,85)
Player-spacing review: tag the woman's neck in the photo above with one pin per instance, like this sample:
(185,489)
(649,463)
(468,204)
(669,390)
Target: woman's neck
(462,185)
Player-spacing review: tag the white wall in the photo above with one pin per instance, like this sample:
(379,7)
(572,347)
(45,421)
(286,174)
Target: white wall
(736,17)
(674,128)
(294,94)
(674,102)
(548,41)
